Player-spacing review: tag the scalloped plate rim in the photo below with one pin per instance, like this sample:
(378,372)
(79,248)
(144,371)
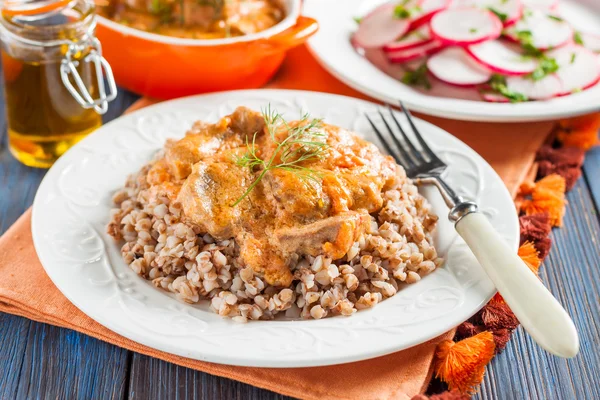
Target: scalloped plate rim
(329,359)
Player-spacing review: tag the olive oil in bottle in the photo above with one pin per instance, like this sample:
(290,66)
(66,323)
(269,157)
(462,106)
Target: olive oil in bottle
(53,78)
(44,120)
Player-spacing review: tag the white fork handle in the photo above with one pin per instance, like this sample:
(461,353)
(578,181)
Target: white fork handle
(540,314)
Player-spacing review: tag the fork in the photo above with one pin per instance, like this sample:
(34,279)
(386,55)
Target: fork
(540,314)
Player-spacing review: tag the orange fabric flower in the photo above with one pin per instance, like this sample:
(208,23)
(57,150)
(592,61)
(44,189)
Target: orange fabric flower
(462,364)
(581,132)
(530,256)
(548,196)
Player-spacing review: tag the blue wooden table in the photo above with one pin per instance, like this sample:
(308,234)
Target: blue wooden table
(43,361)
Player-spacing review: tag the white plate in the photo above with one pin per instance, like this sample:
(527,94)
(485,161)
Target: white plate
(71,210)
(331,46)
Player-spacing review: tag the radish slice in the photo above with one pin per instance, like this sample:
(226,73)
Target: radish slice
(578,68)
(513,9)
(504,58)
(414,38)
(546,30)
(380,27)
(590,41)
(493,97)
(465,26)
(454,66)
(414,53)
(544,5)
(428,8)
(545,88)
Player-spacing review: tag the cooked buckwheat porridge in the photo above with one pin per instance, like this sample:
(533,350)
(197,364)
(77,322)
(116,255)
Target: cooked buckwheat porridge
(260,216)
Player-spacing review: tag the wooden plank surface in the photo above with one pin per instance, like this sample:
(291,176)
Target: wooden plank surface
(151,378)
(591,170)
(572,273)
(40,361)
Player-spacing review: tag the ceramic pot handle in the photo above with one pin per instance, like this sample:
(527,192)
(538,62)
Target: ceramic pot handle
(303,29)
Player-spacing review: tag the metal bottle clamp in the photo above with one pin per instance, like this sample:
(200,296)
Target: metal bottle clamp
(68,70)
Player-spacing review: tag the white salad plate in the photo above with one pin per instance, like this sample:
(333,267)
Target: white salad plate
(71,211)
(332,48)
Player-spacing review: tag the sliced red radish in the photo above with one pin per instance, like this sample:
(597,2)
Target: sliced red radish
(465,26)
(453,65)
(512,10)
(493,97)
(544,5)
(590,41)
(543,89)
(502,57)
(578,68)
(415,38)
(427,9)
(547,30)
(401,56)
(380,27)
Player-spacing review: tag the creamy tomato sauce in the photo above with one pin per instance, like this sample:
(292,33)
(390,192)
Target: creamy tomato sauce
(197,19)
(284,216)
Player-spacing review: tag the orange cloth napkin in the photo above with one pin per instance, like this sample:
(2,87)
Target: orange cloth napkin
(27,291)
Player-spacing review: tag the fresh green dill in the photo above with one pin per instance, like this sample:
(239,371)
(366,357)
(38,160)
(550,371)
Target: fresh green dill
(417,77)
(504,1)
(546,66)
(473,30)
(577,90)
(304,142)
(498,84)
(554,17)
(527,13)
(577,38)
(502,16)
(357,19)
(573,57)
(401,12)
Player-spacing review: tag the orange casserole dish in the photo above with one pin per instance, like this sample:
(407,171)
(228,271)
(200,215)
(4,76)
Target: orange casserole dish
(167,67)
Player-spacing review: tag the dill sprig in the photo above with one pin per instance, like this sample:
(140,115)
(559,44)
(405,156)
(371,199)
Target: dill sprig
(304,142)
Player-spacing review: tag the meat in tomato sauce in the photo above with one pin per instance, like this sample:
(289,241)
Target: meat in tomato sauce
(195,19)
(274,214)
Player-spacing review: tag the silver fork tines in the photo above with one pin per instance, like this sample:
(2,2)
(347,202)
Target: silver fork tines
(537,310)
(420,162)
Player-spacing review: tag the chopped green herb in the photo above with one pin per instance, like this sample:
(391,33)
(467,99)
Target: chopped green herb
(573,57)
(527,13)
(498,84)
(304,142)
(503,16)
(526,39)
(473,30)
(577,90)
(504,1)
(357,19)
(577,38)
(401,13)
(554,17)
(547,66)
(417,77)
